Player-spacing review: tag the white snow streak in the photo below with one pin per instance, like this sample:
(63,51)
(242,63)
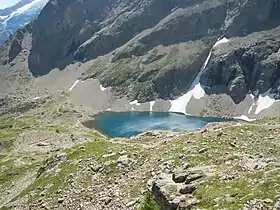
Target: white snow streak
(221,41)
(264,101)
(245,118)
(3,17)
(152,103)
(134,103)
(250,109)
(102,88)
(253,104)
(196,90)
(175,8)
(74,85)
(36,98)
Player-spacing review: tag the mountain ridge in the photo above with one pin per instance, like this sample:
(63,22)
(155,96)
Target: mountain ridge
(157,60)
(213,58)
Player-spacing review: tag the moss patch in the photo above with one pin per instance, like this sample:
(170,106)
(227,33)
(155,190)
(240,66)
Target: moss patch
(149,203)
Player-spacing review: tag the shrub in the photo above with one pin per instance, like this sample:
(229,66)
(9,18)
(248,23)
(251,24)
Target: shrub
(149,203)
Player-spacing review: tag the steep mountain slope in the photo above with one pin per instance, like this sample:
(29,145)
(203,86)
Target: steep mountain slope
(199,57)
(151,50)
(13,18)
(153,56)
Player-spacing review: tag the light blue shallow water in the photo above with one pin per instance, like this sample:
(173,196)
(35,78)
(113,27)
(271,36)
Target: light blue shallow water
(126,124)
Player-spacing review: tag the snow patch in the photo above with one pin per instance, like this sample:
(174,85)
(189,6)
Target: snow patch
(221,41)
(175,8)
(74,85)
(36,98)
(134,103)
(196,90)
(3,17)
(250,109)
(264,101)
(253,104)
(34,4)
(245,118)
(102,88)
(151,105)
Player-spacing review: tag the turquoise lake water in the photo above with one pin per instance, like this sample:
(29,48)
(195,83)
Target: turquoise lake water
(127,124)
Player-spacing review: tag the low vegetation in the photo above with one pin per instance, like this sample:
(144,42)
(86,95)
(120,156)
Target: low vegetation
(149,203)
(73,164)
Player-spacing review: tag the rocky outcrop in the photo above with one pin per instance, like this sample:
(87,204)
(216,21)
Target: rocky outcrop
(156,48)
(153,49)
(13,46)
(248,16)
(109,25)
(245,65)
(15,49)
(173,192)
(182,25)
(163,72)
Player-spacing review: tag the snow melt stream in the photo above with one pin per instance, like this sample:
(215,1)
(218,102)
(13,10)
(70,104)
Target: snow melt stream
(152,103)
(196,90)
(245,118)
(74,85)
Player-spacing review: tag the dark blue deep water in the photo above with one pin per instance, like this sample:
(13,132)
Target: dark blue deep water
(126,124)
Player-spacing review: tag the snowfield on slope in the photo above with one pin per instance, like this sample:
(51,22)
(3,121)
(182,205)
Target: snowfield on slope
(196,90)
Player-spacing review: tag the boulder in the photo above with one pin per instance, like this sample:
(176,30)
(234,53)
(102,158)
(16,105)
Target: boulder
(124,161)
(180,177)
(163,192)
(189,188)
(277,205)
(192,177)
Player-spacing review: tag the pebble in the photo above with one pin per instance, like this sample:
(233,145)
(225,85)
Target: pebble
(181,156)
(109,155)
(60,200)
(203,150)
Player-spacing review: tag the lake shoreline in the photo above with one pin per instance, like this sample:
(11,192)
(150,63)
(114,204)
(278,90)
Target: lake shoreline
(128,124)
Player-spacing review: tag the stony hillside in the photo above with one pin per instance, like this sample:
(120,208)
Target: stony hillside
(48,160)
(200,57)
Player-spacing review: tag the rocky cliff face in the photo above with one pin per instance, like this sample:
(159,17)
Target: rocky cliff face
(116,51)
(13,46)
(88,29)
(154,49)
(245,65)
